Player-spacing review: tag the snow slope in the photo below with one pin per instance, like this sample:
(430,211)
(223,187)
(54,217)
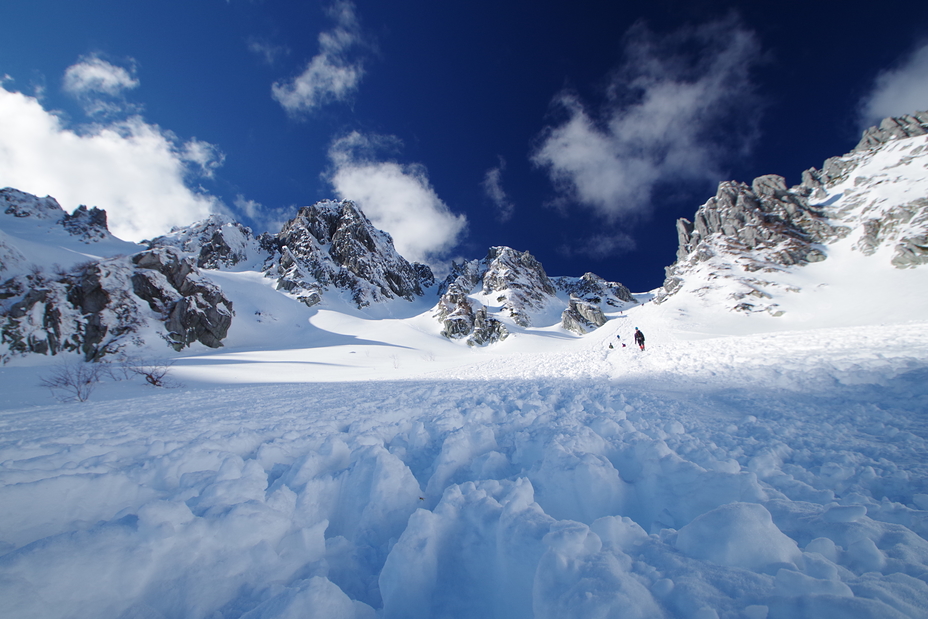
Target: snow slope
(353,470)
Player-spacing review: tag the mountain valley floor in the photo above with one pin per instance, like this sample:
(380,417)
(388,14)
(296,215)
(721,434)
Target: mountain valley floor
(767,474)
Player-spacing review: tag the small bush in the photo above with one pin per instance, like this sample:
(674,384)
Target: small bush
(155,374)
(73,381)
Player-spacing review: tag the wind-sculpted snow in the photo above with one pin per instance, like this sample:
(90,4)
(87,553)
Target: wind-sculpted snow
(613,493)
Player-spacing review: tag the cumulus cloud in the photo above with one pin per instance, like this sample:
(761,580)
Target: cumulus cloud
(99,85)
(898,91)
(95,75)
(331,75)
(134,170)
(493,188)
(398,198)
(676,109)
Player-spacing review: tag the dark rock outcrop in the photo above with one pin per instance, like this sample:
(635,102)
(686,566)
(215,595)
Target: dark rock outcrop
(194,309)
(333,245)
(581,317)
(516,283)
(96,308)
(768,227)
(216,242)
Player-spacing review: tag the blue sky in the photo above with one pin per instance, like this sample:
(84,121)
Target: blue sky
(579,131)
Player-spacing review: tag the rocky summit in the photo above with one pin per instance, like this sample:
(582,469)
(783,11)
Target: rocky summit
(874,195)
(334,245)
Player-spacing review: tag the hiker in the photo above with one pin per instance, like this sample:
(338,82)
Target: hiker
(639,338)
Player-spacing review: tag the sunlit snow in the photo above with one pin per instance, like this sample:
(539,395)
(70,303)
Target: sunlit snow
(335,462)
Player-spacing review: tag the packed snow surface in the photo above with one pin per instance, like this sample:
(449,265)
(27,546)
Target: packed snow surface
(362,466)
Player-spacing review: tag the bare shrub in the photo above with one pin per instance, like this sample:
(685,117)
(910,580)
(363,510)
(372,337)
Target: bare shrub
(73,381)
(154,373)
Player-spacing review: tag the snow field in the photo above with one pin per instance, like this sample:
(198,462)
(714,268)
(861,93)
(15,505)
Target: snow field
(610,494)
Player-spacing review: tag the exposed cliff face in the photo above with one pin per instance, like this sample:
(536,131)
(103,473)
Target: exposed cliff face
(216,242)
(98,307)
(333,245)
(515,283)
(193,308)
(877,194)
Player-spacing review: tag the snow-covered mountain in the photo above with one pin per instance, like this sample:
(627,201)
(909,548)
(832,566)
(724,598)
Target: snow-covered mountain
(67,284)
(337,458)
(744,247)
(329,251)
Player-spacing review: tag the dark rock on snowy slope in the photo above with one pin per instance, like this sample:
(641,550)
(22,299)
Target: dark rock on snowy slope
(97,308)
(518,284)
(87,310)
(217,243)
(193,308)
(767,227)
(588,295)
(88,225)
(514,280)
(582,316)
(333,245)
(463,317)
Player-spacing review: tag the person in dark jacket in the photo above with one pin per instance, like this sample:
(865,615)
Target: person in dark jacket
(639,338)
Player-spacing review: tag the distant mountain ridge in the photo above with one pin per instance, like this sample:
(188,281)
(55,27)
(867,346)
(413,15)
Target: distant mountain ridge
(66,284)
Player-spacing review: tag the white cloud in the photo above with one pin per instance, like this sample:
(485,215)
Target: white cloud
(207,157)
(331,75)
(675,110)
(266,218)
(93,75)
(100,86)
(396,198)
(493,188)
(132,169)
(898,91)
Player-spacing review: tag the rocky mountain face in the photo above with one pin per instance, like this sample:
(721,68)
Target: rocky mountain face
(513,285)
(874,199)
(876,194)
(216,242)
(333,245)
(100,306)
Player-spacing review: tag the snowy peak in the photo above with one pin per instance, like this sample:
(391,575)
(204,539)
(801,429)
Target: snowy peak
(874,196)
(217,243)
(21,204)
(333,244)
(518,281)
(88,225)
